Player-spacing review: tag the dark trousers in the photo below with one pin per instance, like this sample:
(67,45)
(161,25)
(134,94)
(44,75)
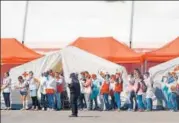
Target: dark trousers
(44,101)
(35,102)
(132,99)
(82,101)
(74,105)
(178,101)
(7,99)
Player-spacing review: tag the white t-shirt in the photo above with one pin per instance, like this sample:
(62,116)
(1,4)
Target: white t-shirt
(81,86)
(51,84)
(43,85)
(32,84)
(150,91)
(7,83)
(23,86)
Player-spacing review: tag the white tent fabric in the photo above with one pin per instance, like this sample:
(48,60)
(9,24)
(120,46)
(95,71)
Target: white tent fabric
(71,59)
(157,72)
(162,69)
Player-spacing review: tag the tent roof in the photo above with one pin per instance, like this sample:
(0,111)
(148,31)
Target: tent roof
(13,52)
(108,48)
(165,53)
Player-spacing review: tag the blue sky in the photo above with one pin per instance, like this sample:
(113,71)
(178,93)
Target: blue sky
(57,23)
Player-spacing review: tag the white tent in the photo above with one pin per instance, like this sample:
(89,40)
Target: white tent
(157,72)
(162,69)
(70,59)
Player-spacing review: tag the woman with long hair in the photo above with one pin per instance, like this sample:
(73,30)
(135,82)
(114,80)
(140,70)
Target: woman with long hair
(139,84)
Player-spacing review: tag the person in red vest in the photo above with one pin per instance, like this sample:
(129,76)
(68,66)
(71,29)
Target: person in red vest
(58,91)
(111,93)
(105,91)
(118,87)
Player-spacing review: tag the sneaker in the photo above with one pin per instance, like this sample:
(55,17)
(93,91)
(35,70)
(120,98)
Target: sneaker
(8,108)
(36,109)
(32,108)
(129,110)
(22,109)
(140,110)
(73,116)
(43,109)
(26,108)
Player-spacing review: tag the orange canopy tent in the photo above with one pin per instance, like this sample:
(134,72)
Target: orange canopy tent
(13,52)
(167,52)
(108,48)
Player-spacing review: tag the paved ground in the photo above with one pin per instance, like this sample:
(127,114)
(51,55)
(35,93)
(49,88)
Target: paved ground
(89,117)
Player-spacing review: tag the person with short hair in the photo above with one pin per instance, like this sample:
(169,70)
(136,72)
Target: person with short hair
(50,91)
(149,93)
(74,87)
(43,85)
(82,101)
(33,88)
(6,89)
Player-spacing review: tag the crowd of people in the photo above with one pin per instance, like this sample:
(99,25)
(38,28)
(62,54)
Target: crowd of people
(95,92)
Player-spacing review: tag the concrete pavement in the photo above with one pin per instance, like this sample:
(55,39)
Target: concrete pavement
(17,116)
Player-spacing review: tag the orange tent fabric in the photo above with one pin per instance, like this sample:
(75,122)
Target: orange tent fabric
(108,48)
(13,52)
(167,52)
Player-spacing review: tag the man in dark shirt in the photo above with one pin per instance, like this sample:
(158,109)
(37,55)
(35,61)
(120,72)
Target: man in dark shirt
(74,87)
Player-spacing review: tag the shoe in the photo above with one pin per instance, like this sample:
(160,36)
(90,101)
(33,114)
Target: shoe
(73,116)
(36,109)
(22,109)
(43,109)
(119,110)
(140,110)
(32,108)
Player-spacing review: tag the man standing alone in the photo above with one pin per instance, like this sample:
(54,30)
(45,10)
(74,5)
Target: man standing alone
(74,87)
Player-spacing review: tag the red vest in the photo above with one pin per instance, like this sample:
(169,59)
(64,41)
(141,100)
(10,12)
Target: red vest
(105,88)
(118,87)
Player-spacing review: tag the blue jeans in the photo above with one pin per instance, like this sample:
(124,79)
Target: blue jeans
(106,101)
(173,101)
(51,102)
(140,102)
(132,100)
(149,104)
(58,100)
(117,99)
(7,99)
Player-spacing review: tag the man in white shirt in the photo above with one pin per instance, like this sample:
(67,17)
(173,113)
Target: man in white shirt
(43,84)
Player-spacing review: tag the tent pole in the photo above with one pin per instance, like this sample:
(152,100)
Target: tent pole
(145,63)
(142,70)
(25,22)
(131,24)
